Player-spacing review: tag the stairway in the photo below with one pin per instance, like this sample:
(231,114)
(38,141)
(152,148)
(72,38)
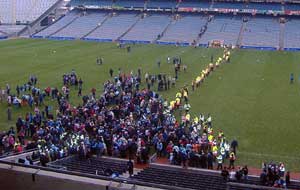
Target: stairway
(212,4)
(165,30)
(281,36)
(98,26)
(240,38)
(126,32)
(73,20)
(199,37)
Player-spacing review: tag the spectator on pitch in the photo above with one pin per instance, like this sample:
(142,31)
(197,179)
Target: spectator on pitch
(287,178)
(231,160)
(220,162)
(111,72)
(184,67)
(80,82)
(9,113)
(291,78)
(7,89)
(99,61)
(234,145)
(79,91)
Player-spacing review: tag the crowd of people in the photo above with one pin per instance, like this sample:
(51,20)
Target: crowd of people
(274,175)
(128,121)
(125,121)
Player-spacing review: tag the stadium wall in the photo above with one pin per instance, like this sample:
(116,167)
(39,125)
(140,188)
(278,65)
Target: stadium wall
(17,177)
(3,37)
(31,179)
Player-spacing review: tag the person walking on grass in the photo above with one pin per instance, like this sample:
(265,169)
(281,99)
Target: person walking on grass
(9,113)
(111,72)
(291,78)
(231,160)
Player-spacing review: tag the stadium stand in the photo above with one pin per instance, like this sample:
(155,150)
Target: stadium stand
(96,166)
(227,5)
(114,27)
(292,7)
(59,24)
(261,32)
(264,6)
(161,4)
(292,34)
(105,3)
(177,31)
(86,22)
(222,28)
(8,29)
(130,3)
(147,29)
(23,11)
(194,3)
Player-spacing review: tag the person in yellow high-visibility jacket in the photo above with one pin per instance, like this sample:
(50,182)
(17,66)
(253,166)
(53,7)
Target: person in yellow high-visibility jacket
(185,95)
(215,150)
(172,104)
(188,117)
(178,95)
(228,53)
(196,120)
(210,138)
(211,66)
(198,80)
(177,100)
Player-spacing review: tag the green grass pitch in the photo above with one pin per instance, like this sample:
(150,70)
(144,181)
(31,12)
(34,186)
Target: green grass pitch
(250,99)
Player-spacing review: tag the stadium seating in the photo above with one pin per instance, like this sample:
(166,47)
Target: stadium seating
(262,32)
(292,7)
(178,177)
(10,29)
(114,27)
(177,31)
(23,11)
(130,3)
(292,34)
(222,28)
(228,5)
(92,2)
(81,26)
(148,28)
(193,3)
(92,165)
(161,4)
(59,24)
(264,6)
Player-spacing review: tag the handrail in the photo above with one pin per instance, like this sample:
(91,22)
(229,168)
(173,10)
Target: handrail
(17,153)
